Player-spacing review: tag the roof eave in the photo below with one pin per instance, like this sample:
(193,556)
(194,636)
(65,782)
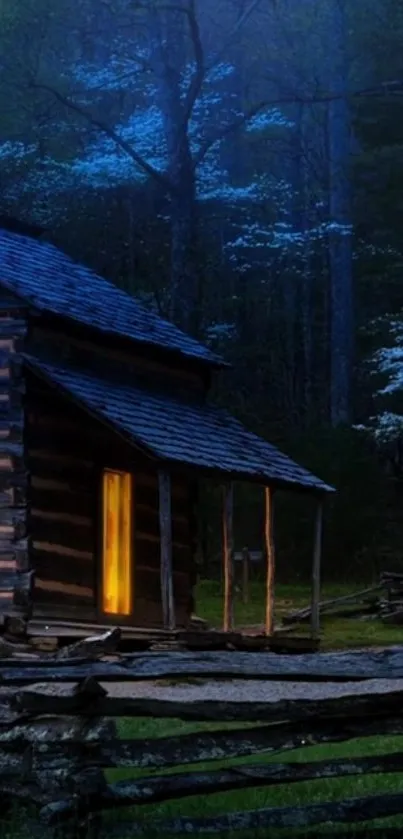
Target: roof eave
(319,489)
(217,363)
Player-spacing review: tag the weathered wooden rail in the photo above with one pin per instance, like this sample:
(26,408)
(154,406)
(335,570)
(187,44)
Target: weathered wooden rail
(55,746)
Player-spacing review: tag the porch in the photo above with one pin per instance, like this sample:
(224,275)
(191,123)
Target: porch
(174,440)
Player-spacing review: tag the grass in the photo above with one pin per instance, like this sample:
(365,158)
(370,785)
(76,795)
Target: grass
(296,795)
(337,634)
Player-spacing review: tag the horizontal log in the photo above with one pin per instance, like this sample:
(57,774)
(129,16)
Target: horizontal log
(61,497)
(321,667)
(60,515)
(7,580)
(147,585)
(10,479)
(54,737)
(351,811)
(65,471)
(75,536)
(7,562)
(154,789)
(54,485)
(100,703)
(6,497)
(148,553)
(65,569)
(147,521)
(46,435)
(95,352)
(49,612)
(7,449)
(57,590)
(221,744)
(154,539)
(12,515)
(339,667)
(56,458)
(61,550)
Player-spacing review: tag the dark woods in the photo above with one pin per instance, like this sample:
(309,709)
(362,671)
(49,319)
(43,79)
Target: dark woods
(238,165)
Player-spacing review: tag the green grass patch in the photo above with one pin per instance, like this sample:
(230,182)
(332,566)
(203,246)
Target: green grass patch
(293,795)
(337,633)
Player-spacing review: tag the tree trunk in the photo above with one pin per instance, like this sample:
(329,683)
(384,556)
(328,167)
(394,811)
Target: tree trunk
(184,234)
(170,61)
(340,243)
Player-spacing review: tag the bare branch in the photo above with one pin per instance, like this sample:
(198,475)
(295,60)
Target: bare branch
(234,31)
(150,170)
(394,88)
(198,76)
(229,129)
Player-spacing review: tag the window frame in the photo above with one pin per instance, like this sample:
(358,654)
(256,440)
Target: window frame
(107,617)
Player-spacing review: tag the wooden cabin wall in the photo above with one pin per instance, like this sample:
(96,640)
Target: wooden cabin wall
(14,558)
(155,368)
(66,451)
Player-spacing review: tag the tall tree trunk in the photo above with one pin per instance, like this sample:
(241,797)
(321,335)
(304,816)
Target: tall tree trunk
(184,236)
(305,291)
(340,243)
(170,61)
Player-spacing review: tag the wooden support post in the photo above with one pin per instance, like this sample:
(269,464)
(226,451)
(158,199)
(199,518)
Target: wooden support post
(167,588)
(317,552)
(270,559)
(228,558)
(245,575)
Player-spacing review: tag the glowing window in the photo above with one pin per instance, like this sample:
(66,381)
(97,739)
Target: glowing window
(117,589)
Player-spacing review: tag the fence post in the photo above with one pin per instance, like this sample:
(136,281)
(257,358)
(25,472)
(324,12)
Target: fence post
(245,575)
(228,557)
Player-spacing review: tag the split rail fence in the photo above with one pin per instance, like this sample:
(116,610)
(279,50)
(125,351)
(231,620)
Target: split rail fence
(55,745)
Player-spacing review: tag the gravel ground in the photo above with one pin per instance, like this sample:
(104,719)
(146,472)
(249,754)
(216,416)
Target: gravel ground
(238,690)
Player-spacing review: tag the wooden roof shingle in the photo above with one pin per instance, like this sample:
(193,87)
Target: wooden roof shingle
(195,434)
(50,281)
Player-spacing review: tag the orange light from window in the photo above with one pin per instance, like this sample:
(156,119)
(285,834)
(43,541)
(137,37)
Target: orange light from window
(117,543)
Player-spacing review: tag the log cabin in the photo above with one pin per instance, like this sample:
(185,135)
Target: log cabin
(106,427)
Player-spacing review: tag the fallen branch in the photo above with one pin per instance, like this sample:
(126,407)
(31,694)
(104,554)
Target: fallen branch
(327,605)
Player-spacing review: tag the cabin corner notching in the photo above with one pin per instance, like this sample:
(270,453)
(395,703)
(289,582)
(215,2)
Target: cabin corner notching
(106,427)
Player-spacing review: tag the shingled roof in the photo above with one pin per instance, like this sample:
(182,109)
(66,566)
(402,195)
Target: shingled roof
(179,432)
(50,281)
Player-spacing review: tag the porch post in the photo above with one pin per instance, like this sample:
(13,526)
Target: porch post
(270,559)
(228,549)
(167,589)
(317,552)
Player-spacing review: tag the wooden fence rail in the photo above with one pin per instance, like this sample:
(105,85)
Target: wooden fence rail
(55,743)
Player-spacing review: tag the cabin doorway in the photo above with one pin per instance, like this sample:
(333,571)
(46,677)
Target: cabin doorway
(117,544)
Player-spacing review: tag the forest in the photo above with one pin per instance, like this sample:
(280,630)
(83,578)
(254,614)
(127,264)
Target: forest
(238,164)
